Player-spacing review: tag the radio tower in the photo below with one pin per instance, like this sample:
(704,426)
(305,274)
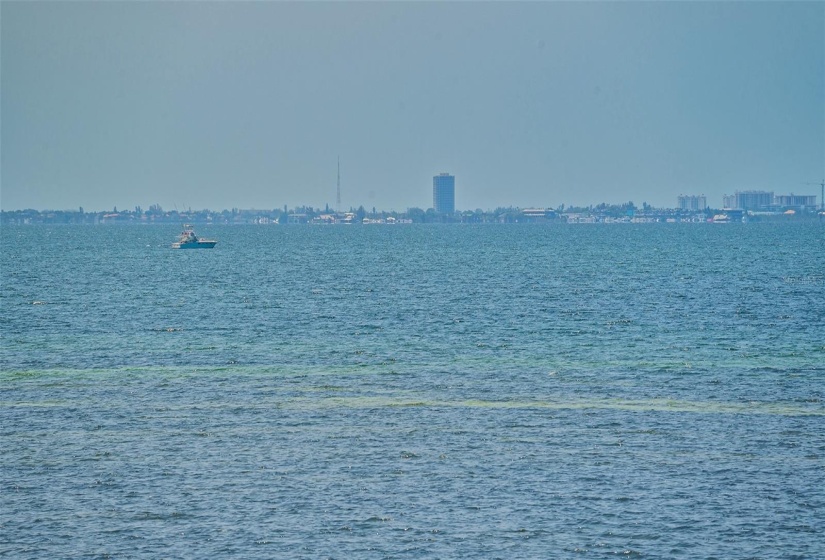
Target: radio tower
(338,193)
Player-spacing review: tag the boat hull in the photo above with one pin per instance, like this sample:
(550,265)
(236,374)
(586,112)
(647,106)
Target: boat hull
(195,245)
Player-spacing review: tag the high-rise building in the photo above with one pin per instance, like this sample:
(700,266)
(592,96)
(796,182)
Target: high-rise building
(750,200)
(767,201)
(444,193)
(795,201)
(692,202)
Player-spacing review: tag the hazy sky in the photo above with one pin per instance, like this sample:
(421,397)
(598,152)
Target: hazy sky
(248,104)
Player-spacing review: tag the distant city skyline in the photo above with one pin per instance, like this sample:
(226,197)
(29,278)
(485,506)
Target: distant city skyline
(443,195)
(250,104)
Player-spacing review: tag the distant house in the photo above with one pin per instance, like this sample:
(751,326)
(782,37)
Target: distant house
(538,214)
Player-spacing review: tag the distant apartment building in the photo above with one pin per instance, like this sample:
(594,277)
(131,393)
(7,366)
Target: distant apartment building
(692,203)
(767,201)
(795,201)
(444,193)
(754,200)
(749,200)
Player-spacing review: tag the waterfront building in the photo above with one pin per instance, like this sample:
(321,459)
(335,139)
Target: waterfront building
(692,203)
(753,200)
(796,201)
(538,214)
(764,201)
(444,193)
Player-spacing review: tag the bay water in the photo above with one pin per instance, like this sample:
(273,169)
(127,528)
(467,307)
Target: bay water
(413,391)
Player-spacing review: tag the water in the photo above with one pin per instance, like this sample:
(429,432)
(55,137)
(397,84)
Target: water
(413,391)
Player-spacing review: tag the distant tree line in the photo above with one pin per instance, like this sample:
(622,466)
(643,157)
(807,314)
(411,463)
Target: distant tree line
(308,214)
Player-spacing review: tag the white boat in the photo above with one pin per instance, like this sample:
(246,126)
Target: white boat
(188,240)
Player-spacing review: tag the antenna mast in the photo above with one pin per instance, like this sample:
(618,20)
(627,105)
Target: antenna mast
(338,193)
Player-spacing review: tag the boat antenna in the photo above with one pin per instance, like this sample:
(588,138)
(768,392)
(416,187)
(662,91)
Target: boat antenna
(338,192)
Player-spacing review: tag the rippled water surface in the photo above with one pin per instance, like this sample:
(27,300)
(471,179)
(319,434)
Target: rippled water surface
(413,391)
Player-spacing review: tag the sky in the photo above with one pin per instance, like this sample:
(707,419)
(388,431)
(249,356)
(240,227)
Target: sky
(217,105)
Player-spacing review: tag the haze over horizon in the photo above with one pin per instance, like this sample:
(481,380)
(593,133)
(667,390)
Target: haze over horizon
(225,104)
